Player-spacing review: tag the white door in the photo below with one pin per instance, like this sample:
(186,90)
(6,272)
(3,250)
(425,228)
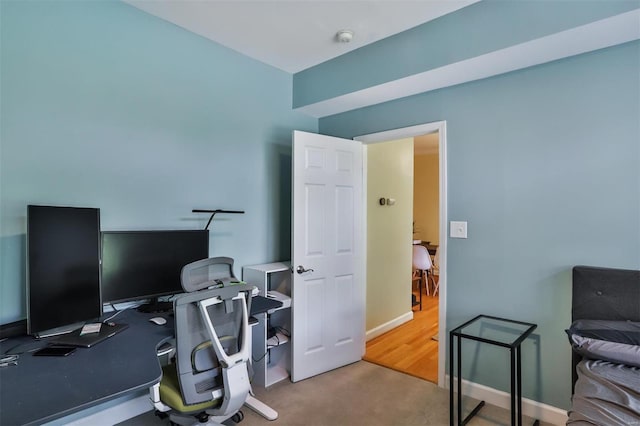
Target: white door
(328,300)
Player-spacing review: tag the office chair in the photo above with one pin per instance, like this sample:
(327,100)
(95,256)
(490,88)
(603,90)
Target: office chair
(209,380)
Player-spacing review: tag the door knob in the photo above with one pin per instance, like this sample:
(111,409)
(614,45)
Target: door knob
(300,269)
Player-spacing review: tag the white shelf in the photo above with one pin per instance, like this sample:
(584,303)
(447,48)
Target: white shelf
(273,355)
(271,267)
(277,374)
(275,295)
(277,340)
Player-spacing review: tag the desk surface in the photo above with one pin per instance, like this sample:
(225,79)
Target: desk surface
(41,389)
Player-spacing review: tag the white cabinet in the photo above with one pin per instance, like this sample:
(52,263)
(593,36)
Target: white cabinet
(271,346)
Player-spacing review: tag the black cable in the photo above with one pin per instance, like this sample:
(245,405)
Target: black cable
(261,358)
(106,320)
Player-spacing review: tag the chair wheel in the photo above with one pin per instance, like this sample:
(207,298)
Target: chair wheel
(161,414)
(237,417)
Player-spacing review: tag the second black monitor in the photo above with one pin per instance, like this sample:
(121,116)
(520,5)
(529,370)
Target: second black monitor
(147,264)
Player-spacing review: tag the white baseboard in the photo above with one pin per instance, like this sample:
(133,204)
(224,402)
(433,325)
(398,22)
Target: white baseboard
(117,413)
(389,325)
(534,409)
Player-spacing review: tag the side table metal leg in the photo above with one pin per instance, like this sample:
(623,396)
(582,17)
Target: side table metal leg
(451,418)
(459,380)
(519,384)
(513,386)
(473,413)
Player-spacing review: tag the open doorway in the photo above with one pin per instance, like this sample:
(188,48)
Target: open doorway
(412,347)
(412,336)
(426,220)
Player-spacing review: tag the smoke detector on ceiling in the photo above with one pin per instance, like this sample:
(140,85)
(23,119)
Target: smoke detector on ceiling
(344,36)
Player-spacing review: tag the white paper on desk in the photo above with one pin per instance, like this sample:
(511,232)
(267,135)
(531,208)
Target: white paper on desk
(91,328)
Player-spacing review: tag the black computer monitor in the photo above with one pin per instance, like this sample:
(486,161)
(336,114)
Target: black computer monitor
(147,264)
(63,268)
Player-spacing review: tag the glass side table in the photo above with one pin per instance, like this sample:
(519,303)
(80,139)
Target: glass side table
(495,331)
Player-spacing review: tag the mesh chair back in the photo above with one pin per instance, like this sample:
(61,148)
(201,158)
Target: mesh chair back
(199,368)
(206,273)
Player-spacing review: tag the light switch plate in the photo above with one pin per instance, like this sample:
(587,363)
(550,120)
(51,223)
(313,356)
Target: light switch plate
(458,229)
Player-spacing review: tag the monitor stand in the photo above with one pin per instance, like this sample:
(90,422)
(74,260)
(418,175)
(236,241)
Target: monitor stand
(155,305)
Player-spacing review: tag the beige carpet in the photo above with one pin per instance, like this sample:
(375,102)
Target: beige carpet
(358,394)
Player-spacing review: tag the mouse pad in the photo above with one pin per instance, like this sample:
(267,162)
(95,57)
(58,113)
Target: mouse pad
(88,340)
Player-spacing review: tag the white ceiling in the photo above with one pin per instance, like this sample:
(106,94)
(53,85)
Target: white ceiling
(296,34)
(293,35)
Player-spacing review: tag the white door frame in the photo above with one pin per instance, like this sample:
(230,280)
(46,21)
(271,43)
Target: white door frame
(408,132)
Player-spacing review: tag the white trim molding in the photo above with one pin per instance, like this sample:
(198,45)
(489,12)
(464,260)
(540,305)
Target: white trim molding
(388,326)
(530,408)
(408,132)
(596,35)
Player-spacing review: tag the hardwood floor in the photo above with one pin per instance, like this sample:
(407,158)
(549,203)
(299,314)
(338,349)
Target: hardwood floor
(410,348)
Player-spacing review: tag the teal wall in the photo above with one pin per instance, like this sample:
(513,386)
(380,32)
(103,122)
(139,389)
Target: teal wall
(106,106)
(544,164)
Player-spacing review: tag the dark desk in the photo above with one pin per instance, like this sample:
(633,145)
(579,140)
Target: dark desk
(42,389)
